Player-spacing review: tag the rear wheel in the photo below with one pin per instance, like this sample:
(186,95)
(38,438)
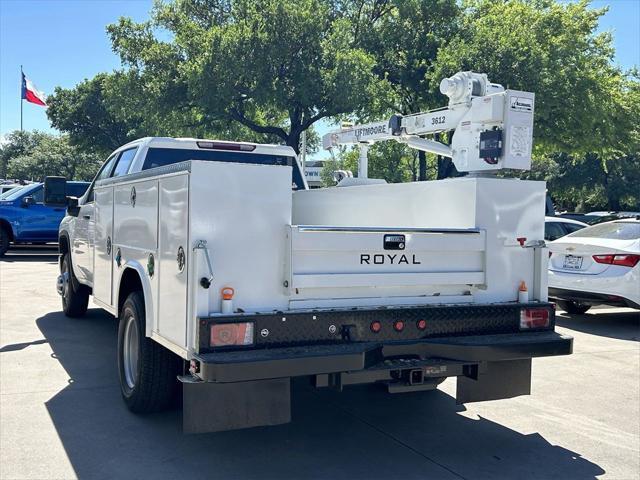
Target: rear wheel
(75,296)
(147,370)
(4,240)
(572,307)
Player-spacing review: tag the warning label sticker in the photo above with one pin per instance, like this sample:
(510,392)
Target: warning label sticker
(520,144)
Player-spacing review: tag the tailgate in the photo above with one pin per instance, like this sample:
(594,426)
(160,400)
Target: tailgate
(343,262)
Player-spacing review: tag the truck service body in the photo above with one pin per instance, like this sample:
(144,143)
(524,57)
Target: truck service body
(232,277)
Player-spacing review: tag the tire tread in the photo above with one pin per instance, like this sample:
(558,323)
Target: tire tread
(158,387)
(79,298)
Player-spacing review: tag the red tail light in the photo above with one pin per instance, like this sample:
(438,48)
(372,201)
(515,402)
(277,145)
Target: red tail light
(228,334)
(626,260)
(398,325)
(607,259)
(534,318)
(375,326)
(622,260)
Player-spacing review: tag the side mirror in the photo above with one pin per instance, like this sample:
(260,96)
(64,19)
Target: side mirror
(73,209)
(28,201)
(55,191)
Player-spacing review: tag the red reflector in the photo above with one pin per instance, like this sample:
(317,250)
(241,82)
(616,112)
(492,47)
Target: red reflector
(226,334)
(242,147)
(375,326)
(422,324)
(398,326)
(534,318)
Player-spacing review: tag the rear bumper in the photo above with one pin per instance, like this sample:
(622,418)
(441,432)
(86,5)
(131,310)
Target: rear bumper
(591,298)
(481,345)
(436,357)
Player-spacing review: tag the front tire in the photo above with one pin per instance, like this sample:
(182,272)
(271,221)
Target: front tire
(147,370)
(574,308)
(4,241)
(75,296)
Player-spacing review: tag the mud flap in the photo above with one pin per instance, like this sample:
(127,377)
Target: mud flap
(498,380)
(216,407)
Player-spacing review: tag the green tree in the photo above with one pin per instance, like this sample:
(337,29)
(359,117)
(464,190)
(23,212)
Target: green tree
(552,49)
(273,66)
(87,113)
(391,161)
(15,144)
(35,155)
(110,110)
(405,36)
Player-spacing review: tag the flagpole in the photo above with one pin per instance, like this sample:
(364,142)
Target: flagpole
(21,102)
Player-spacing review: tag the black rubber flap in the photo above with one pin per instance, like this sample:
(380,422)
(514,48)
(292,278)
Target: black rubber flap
(216,407)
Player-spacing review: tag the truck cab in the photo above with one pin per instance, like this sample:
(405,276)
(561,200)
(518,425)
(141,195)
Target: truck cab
(24,218)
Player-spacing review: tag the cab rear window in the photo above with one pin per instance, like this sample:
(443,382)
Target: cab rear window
(160,157)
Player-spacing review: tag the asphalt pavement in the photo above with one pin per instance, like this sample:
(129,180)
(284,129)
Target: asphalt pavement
(61,415)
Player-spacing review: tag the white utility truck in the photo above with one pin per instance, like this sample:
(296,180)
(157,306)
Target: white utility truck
(229,277)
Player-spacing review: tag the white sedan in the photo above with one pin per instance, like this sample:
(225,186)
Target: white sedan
(596,265)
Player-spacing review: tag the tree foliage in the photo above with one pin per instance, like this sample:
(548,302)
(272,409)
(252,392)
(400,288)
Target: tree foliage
(273,66)
(88,114)
(16,144)
(35,155)
(266,70)
(552,49)
(404,37)
(394,162)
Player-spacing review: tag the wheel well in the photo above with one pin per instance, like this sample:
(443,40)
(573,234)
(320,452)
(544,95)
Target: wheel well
(7,226)
(63,244)
(130,282)
(63,247)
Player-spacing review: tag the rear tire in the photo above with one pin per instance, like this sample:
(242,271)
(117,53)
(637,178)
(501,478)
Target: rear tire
(75,296)
(4,241)
(575,308)
(148,371)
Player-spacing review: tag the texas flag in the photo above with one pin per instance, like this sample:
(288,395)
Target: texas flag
(31,94)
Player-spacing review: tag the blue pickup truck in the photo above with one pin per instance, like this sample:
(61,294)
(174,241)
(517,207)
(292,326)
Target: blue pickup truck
(25,219)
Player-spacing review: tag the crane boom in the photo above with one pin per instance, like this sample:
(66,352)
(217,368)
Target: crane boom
(493,127)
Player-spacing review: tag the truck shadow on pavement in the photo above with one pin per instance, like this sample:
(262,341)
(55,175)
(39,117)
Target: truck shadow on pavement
(362,432)
(623,325)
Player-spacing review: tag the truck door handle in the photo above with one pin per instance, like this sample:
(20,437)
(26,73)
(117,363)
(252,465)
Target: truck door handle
(86,217)
(57,209)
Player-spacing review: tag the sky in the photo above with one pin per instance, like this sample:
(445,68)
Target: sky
(62,42)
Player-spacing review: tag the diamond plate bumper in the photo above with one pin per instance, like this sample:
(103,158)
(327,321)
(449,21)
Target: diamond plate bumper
(347,326)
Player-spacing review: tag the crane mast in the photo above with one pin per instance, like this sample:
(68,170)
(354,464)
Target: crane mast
(493,127)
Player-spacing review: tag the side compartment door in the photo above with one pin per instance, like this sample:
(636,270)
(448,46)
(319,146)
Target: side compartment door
(103,252)
(172,252)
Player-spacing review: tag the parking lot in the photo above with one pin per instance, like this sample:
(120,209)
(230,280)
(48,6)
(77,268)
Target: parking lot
(61,415)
